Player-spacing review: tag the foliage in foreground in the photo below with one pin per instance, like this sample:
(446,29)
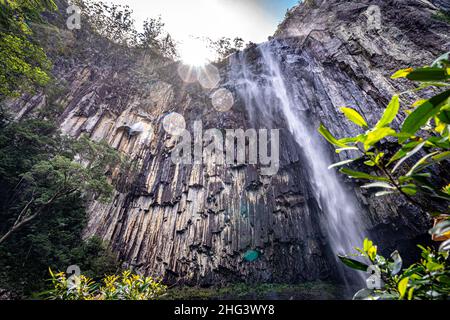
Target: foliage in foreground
(420,144)
(427,279)
(126,286)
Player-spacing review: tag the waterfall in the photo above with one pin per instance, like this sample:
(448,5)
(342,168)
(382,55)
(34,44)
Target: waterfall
(266,95)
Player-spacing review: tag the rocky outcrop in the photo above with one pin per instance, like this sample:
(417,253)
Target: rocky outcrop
(194,223)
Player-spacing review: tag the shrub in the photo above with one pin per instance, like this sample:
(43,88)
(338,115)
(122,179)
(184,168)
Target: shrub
(405,160)
(126,286)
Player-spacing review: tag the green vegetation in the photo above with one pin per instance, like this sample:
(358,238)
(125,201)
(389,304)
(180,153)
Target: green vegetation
(126,286)
(45,177)
(23,63)
(226,46)
(304,291)
(115,23)
(427,279)
(405,160)
(443,15)
(78,168)
(43,212)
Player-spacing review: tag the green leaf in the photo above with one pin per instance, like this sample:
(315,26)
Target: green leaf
(402,73)
(379,157)
(376,135)
(372,253)
(354,264)
(402,286)
(420,178)
(408,155)
(361,175)
(384,193)
(398,262)
(421,164)
(444,279)
(354,117)
(364,294)
(438,63)
(341,163)
(441,228)
(390,113)
(370,163)
(346,149)
(411,293)
(444,116)
(384,185)
(445,246)
(434,266)
(423,114)
(409,189)
(367,244)
(329,137)
(438,142)
(403,151)
(428,74)
(359,138)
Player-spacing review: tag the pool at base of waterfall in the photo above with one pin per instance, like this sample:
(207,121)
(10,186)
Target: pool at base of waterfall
(265,291)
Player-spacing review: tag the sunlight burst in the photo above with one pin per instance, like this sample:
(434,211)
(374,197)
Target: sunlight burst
(194,52)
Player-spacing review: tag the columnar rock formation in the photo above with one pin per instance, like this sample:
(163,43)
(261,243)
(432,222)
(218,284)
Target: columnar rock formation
(194,223)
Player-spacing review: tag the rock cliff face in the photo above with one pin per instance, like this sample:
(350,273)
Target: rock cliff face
(193,223)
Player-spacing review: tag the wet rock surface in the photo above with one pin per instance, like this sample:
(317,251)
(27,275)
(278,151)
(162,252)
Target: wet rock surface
(193,224)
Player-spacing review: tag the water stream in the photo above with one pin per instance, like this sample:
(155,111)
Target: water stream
(266,94)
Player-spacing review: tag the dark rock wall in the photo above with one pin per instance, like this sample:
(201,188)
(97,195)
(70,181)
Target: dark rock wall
(194,223)
(357,45)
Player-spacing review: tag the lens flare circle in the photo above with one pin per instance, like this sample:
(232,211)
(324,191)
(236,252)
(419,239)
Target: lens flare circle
(174,124)
(222,100)
(208,76)
(187,73)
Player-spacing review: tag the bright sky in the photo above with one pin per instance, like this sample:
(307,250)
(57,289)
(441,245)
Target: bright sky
(253,20)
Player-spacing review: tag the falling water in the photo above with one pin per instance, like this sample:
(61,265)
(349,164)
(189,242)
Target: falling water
(265,94)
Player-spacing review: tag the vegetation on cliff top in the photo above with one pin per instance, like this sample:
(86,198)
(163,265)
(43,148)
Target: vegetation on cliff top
(23,63)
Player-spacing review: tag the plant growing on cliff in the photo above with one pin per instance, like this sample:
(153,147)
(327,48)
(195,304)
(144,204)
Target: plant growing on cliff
(126,286)
(226,46)
(153,37)
(421,143)
(115,23)
(23,63)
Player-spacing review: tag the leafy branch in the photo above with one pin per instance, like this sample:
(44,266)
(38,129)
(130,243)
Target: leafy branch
(421,143)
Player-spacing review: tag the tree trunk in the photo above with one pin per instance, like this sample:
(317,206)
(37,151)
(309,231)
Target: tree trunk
(19,224)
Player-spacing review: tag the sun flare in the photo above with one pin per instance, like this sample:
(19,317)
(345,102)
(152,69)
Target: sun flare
(194,52)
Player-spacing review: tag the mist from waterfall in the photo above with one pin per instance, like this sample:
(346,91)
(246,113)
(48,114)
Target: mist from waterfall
(266,95)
